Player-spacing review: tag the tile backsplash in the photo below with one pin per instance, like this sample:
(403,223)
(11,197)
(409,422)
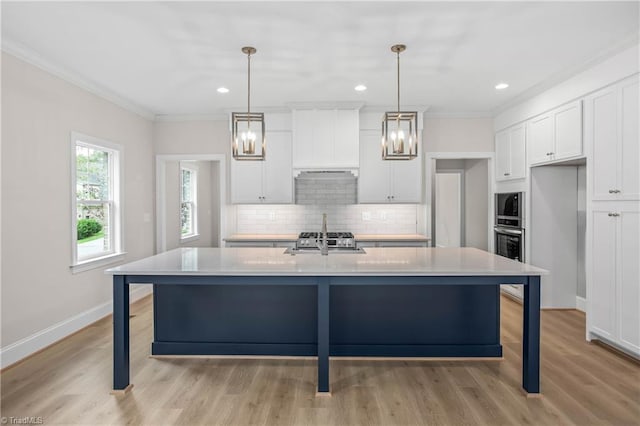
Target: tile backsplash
(356,218)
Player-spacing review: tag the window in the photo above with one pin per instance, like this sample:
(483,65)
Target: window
(188,201)
(96,209)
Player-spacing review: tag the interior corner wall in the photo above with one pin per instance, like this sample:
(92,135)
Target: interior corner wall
(39,112)
(476,203)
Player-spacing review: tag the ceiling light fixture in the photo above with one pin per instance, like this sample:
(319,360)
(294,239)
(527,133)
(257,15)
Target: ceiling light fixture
(399,127)
(360,88)
(244,136)
(223,90)
(501,86)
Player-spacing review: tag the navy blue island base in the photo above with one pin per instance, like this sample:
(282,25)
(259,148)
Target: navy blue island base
(328,316)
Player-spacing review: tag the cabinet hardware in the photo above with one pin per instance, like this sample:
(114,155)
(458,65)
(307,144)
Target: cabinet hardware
(507,174)
(614,191)
(614,214)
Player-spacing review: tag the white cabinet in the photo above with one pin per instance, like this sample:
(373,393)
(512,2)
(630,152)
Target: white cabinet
(614,290)
(510,153)
(269,181)
(387,181)
(556,135)
(325,138)
(611,130)
(261,243)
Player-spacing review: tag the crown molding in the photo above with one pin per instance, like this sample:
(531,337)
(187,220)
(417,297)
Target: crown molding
(459,114)
(28,55)
(384,108)
(191,117)
(537,89)
(324,105)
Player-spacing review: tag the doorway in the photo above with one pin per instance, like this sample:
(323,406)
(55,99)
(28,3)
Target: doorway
(449,204)
(171,205)
(459,205)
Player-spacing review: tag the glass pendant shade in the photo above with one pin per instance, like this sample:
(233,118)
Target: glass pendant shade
(247,128)
(399,128)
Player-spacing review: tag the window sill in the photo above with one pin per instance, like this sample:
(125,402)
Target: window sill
(189,238)
(87,265)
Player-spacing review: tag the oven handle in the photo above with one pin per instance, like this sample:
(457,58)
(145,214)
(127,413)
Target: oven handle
(508,231)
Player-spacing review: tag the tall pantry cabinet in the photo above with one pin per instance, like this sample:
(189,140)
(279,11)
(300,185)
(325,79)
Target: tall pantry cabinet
(613,286)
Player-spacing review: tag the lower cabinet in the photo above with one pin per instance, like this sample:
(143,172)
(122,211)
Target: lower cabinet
(614,291)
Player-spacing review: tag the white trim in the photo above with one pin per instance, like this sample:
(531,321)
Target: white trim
(191,117)
(27,55)
(117,152)
(161,207)
(16,351)
(459,114)
(87,265)
(581,304)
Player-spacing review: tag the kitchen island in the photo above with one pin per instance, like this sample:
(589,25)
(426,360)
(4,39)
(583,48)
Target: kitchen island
(389,302)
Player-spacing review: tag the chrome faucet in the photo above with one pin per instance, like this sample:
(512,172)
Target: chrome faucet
(324,246)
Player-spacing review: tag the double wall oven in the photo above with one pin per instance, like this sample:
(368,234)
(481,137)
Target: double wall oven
(509,230)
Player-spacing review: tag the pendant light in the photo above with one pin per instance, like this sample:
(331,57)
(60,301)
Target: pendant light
(399,128)
(247,136)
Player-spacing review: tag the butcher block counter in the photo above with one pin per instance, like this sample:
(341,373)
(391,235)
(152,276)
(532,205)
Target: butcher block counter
(384,302)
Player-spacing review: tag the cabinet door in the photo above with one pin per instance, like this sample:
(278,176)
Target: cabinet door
(602,298)
(246,181)
(629,182)
(303,128)
(517,149)
(346,146)
(406,180)
(540,137)
(568,131)
(628,283)
(278,181)
(503,155)
(373,180)
(602,130)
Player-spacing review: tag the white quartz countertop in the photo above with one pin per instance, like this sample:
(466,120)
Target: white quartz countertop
(393,261)
(294,237)
(392,237)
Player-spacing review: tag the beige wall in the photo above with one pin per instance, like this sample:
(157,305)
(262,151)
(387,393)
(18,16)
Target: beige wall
(458,135)
(476,203)
(39,111)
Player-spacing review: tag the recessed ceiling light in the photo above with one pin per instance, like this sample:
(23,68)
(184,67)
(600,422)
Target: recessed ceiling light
(223,90)
(360,88)
(501,86)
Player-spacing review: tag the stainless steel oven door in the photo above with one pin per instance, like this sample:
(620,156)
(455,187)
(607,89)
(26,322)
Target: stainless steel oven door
(510,243)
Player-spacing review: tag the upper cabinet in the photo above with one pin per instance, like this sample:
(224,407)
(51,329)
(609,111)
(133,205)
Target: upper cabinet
(387,181)
(510,153)
(269,181)
(325,138)
(556,135)
(611,130)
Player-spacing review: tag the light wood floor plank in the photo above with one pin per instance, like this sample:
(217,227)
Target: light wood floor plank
(582,384)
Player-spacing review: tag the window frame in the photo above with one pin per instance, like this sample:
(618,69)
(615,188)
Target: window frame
(116,217)
(193,169)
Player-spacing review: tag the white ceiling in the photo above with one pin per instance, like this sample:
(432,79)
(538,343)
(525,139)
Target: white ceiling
(168,58)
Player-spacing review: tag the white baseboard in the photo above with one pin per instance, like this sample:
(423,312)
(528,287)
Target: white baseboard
(43,338)
(581,304)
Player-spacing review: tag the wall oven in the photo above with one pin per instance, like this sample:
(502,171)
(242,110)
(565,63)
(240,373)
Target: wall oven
(509,210)
(509,232)
(510,243)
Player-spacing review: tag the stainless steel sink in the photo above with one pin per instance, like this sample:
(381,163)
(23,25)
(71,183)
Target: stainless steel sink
(332,251)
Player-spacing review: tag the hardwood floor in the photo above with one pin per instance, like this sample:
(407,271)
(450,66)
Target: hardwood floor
(582,384)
